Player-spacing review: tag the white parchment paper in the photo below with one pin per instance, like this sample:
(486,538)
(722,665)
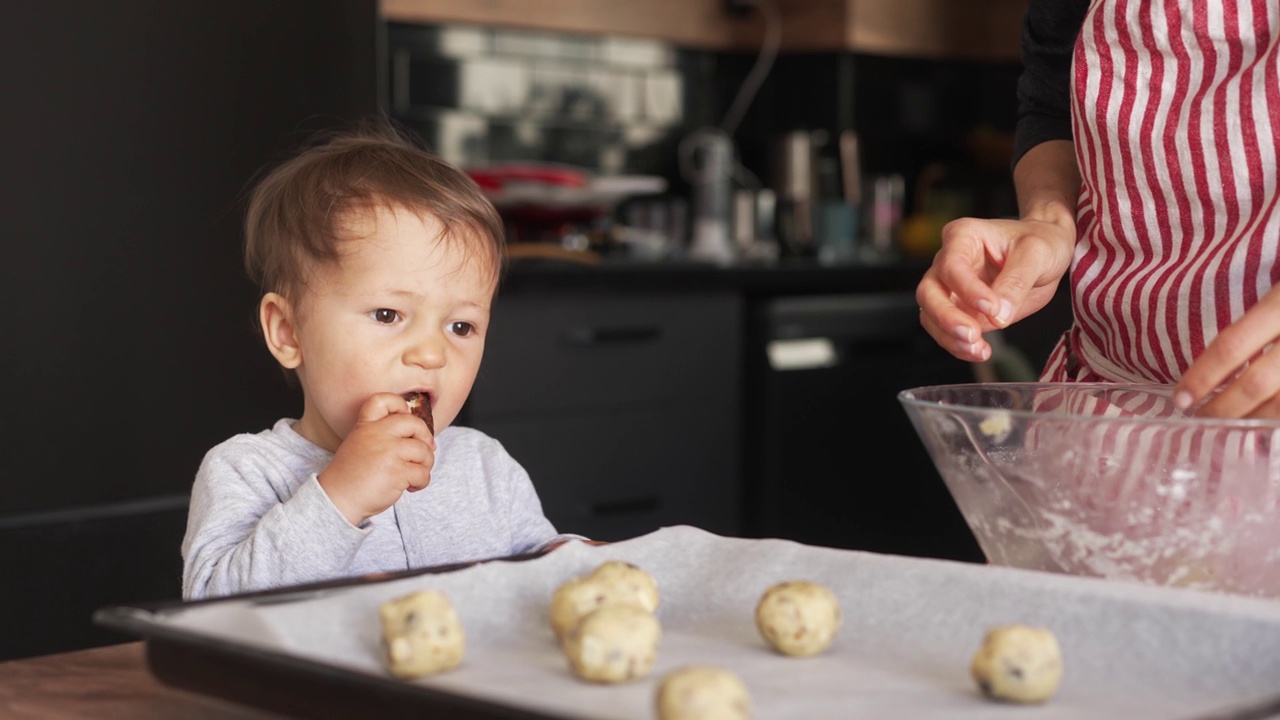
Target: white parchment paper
(910,627)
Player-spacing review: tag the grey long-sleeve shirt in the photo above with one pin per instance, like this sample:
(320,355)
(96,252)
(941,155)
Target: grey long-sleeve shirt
(259,518)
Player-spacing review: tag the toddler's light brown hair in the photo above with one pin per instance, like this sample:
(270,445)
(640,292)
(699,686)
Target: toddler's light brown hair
(296,212)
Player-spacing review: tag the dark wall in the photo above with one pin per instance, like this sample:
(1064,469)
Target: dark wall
(908,112)
(132,130)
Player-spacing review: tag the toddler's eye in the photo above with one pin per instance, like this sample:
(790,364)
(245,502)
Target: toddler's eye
(462,329)
(385,316)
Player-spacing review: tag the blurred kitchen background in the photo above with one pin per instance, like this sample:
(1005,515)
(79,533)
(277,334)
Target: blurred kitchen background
(717,213)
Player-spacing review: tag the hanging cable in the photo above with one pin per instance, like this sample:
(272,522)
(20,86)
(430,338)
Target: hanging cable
(760,70)
(699,139)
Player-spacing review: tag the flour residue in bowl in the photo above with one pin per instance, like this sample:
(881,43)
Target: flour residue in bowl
(1110,481)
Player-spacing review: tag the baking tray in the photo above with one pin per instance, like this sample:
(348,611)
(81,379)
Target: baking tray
(911,626)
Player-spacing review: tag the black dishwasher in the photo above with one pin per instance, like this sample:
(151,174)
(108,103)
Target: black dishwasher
(832,458)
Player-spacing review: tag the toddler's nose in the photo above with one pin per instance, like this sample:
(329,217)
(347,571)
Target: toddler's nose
(428,352)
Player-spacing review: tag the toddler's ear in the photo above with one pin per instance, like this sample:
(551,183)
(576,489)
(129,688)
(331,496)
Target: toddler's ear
(275,316)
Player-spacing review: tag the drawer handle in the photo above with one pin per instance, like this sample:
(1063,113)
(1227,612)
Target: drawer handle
(616,335)
(627,506)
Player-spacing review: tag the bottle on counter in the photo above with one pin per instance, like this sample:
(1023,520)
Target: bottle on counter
(707,156)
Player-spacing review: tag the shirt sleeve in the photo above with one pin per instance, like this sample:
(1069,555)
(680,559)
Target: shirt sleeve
(1049,32)
(242,536)
(531,531)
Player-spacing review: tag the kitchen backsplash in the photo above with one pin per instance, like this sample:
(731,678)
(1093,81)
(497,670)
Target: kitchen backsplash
(479,94)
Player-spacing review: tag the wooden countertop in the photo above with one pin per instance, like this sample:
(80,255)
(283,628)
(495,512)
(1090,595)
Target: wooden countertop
(106,682)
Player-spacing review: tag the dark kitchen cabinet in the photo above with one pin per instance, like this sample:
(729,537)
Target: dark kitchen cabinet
(133,129)
(643,397)
(832,458)
(624,406)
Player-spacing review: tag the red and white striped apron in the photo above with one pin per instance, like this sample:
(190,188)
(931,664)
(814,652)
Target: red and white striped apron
(1176,118)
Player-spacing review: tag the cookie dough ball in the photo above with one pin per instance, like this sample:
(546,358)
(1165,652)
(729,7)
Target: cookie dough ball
(703,692)
(421,634)
(1018,663)
(613,644)
(573,600)
(612,583)
(798,617)
(630,581)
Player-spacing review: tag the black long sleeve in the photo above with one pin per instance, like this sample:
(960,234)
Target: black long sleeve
(1049,32)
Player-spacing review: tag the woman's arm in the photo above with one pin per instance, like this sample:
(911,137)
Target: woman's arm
(1049,32)
(1047,180)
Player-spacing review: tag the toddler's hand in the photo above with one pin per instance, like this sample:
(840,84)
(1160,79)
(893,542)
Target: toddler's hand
(388,452)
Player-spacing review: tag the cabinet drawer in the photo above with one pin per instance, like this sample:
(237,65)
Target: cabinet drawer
(618,476)
(573,351)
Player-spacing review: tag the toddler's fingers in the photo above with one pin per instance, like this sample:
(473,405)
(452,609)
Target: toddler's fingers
(415,450)
(404,425)
(419,479)
(380,405)
(419,460)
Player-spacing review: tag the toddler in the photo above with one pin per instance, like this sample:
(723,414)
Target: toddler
(378,263)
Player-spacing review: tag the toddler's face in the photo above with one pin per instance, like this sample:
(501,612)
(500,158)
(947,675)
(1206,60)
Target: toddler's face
(404,309)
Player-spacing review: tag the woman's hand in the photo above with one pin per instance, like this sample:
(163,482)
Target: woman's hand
(1241,361)
(992,273)
(989,274)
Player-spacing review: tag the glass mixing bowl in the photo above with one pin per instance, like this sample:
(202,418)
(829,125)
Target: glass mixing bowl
(1108,480)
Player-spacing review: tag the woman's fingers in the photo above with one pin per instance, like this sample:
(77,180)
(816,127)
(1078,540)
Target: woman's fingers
(1253,393)
(958,338)
(955,288)
(972,254)
(1238,361)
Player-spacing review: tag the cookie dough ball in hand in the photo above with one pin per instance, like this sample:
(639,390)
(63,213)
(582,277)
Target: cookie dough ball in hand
(421,634)
(420,406)
(612,583)
(798,617)
(1018,663)
(613,644)
(703,692)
